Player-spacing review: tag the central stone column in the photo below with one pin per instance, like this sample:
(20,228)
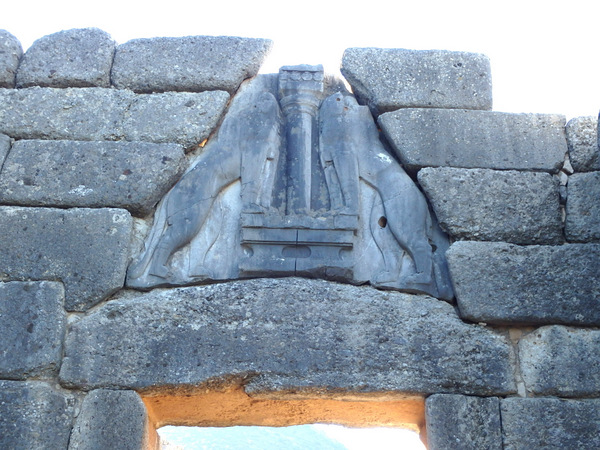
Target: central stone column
(301,91)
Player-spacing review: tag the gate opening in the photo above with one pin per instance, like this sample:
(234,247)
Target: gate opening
(230,406)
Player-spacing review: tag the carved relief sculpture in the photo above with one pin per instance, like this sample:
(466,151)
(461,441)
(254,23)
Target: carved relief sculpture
(296,182)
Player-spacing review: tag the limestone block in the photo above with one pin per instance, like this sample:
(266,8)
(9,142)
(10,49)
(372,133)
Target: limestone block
(561,361)
(34,416)
(582,138)
(86,114)
(4,148)
(550,423)
(503,283)
(10,54)
(583,208)
(110,417)
(192,63)
(70,58)
(182,117)
(86,249)
(131,175)
(33,322)
(392,78)
(491,205)
(286,334)
(476,139)
(461,422)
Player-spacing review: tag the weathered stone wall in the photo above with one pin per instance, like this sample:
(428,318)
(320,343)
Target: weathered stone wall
(92,136)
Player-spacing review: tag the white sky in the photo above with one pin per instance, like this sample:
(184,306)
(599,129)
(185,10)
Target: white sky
(544,54)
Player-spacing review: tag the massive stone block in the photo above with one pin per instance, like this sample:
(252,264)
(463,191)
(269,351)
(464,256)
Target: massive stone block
(582,138)
(97,114)
(10,54)
(503,283)
(388,79)
(429,137)
(491,205)
(561,361)
(70,58)
(110,417)
(86,114)
(33,324)
(87,249)
(34,416)
(583,208)
(131,175)
(185,118)
(192,63)
(529,423)
(286,334)
(461,422)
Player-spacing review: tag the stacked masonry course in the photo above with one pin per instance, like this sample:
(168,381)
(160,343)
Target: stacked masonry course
(93,134)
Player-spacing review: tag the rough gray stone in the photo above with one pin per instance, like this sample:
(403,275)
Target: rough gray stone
(33,324)
(258,328)
(583,208)
(4,148)
(561,361)
(33,416)
(97,114)
(131,175)
(582,139)
(110,417)
(504,283)
(192,63)
(550,423)
(86,249)
(476,139)
(10,54)
(182,117)
(70,58)
(491,205)
(460,422)
(86,114)
(388,79)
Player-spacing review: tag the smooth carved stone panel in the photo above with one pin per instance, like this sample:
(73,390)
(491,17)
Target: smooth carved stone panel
(34,416)
(460,422)
(86,249)
(583,208)
(550,423)
(295,183)
(96,114)
(130,175)
(582,138)
(10,54)
(492,205)
(33,324)
(286,334)
(192,63)
(430,137)
(504,283)
(4,148)
(388,79)
(112,417)
(561,361)
(70,58)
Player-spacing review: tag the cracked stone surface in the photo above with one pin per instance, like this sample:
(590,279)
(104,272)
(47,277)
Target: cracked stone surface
(10,54)
(289,335)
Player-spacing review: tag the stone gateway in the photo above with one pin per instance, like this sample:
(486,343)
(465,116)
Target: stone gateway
(186,242)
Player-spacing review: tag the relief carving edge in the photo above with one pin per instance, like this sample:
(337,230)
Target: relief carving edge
(295,183)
